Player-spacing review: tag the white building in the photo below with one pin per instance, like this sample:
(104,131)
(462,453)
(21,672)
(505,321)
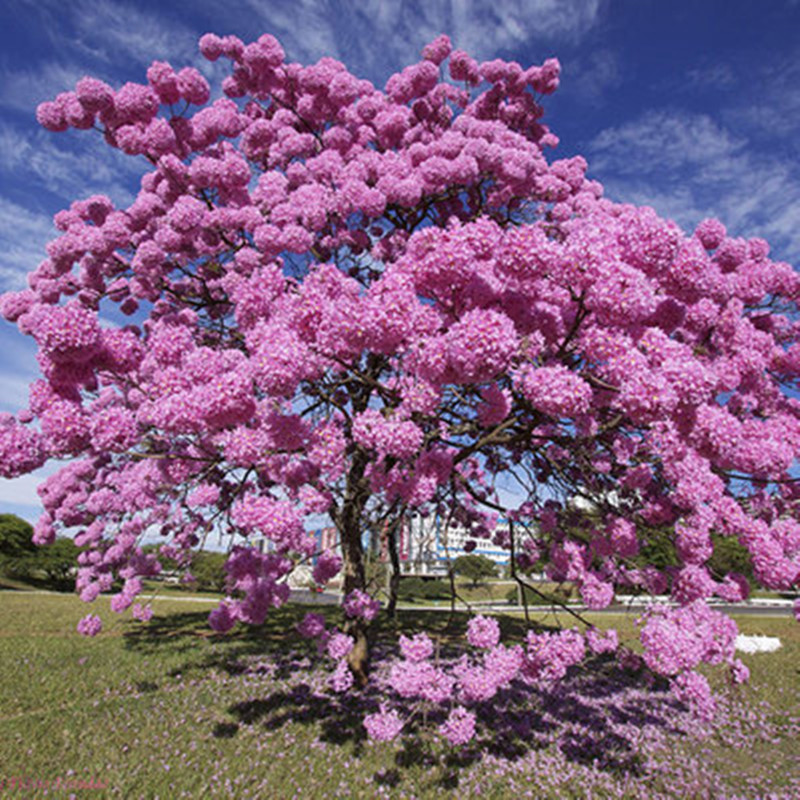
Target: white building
(428,545)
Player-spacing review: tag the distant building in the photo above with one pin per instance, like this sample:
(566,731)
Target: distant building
(425,545)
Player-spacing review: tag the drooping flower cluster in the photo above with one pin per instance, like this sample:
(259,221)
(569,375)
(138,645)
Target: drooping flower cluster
(90,625)
(677,640)
(383,726)
(360,604)
(483,632)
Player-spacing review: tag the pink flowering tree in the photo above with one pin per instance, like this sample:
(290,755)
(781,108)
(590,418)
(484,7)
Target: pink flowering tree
(368,303)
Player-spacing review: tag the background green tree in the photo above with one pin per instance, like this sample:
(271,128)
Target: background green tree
(52,565)
(475,568)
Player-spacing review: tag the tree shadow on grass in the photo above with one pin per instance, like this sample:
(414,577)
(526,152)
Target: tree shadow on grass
(593,717)
(188,634)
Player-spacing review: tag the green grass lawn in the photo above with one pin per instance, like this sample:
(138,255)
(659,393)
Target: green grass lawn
(170,710)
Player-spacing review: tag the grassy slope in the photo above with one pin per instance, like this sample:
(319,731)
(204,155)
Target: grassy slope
(166,710)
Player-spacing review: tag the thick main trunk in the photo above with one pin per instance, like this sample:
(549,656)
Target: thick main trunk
(353,564)
(394,576)
(350,522)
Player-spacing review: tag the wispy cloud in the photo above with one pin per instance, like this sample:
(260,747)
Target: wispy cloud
(717,75)
(689,166)
(15,391)
(23,89)
(307,29)
(23,236)
(75,165)
(122,32)
(510,23)
(774,110)
(375,37)
(590,76)
(111,40)
(660,141)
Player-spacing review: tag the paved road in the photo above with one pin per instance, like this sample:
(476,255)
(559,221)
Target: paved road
(501,608)
(757,607)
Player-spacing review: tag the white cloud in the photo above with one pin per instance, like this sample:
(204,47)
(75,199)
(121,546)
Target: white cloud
(15,392)
(374,36)
(125,33)
(18,368)
(307,29)
(71,165)
(105,38)
(688,166)
(22,491)
(589,77)
(775,112)
(663,140)
(484,28)
(712,76)
(23,236)
(24,89)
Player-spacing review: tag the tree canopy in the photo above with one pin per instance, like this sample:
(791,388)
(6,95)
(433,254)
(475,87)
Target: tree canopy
(21,558)
(370,303)
(475,567)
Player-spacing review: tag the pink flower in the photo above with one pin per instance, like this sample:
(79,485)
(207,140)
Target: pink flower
(342,678)
(328,566)
(142,613)
(340,645)
(739,671)
(384,725)
(222,619)
(416,648)
(710,232)
(601,642)
(311,626)
(556,391)
(459,727)
(596,593)
(90,625)
(360,604)
(483,632)
(693,689)
(438,50)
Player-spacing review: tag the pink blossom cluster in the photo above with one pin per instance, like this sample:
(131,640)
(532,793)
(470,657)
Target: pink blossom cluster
(676,641)
(555,391)
(548,656)
(260,579)
(130,590)
(279,520)
(421,678)
(397,438)
(328,566)
(483,632)
(90,625)
(459,727)
(416,648)
(384,725)
(311,626)
(358,604)
(598,643)
(21,449)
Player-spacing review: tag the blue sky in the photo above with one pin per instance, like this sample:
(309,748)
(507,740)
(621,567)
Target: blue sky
(691,107)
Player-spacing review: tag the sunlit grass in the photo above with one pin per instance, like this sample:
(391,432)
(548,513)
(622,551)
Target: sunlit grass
(171,710)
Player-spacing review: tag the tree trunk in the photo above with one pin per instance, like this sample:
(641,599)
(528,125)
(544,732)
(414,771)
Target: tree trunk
(349,521)
(394,577)
(354,578)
